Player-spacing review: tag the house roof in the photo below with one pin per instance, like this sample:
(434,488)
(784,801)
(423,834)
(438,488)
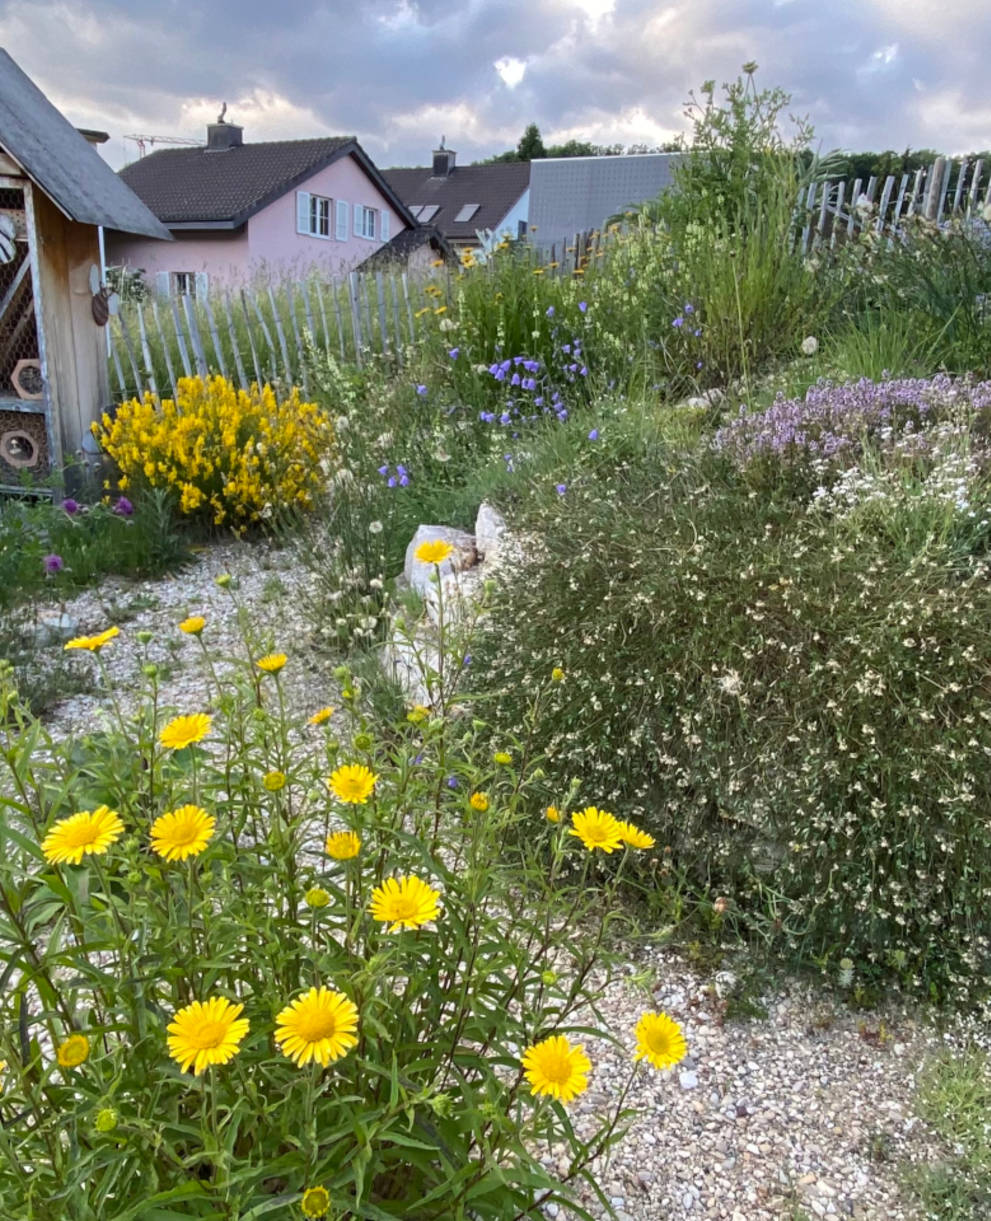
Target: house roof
(405,242)
(222,188)
(495,188)
(62,163)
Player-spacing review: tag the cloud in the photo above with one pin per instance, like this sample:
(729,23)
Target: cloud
(397,73)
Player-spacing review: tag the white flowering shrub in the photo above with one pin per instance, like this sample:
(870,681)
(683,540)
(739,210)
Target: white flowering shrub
(790,692)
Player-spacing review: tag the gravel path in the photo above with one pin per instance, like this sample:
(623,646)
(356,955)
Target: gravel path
(804,1113)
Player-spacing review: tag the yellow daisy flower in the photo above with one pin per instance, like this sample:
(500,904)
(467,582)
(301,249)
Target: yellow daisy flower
(479,801)
(343,845)
(193,625)
(405,902)
(73,1052)
(418,714)
(205,1033)
(182,833)
(597,829)
(315,1202)
(352,783)
(316,896)
(552,814)
(503,757)
(90,832)
(273,781)
(319,1025)
(634,837)
(323,714)
(557,675)
(659,1040)
(183,731)
(556,1069)
(272,663)
(93,644)
(435,551)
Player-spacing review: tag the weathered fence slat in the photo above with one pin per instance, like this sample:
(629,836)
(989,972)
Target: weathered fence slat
(283,346)
(117,368)
(335,292)
(394,292)
(885,202)
(145,353)
(235,349)
(355,320)
(165,348)
(180,341)
(251,338)
(212,327)
(380,293)
(291,304)
(194,336)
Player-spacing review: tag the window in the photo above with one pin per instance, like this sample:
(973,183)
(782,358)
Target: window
(313,215)
(183,284)
(427,213)
(319,216)
(364,221)
(466,213)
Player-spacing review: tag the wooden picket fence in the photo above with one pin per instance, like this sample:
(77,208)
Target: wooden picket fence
(829,211)
(262,333)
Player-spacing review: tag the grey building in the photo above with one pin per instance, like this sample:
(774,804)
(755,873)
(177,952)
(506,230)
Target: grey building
(570,195)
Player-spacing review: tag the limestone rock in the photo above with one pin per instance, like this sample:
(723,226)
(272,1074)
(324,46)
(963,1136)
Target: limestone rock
(490,530)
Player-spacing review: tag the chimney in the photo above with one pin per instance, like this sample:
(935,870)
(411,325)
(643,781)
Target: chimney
(222,135)
(443,161)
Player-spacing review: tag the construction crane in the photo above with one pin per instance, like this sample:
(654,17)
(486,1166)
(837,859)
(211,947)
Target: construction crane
(143,142)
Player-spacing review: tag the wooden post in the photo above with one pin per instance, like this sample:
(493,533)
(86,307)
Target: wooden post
(837,214)
(283,347)
(975,183)
(355,317)
(291,303)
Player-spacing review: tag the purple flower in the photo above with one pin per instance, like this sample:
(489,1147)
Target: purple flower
(123,507)
(404,480)
(452,782)
(566,347)
(679,322)
(391,481)
(454,353)
(514,380)
(383,470)
(583,371)
(689,308)
(561,488)
(71,506)
(594,435)
(583,306)
(697,333)
(53,563)
(421,391)
(550,311)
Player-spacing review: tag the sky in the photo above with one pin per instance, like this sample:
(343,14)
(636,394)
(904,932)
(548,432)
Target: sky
(398,74)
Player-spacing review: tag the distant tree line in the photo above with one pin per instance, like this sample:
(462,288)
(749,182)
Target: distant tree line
(848,165)
(532,148)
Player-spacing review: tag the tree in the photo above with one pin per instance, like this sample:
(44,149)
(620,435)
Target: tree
(530,147)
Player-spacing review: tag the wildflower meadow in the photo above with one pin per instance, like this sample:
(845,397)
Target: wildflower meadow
(726,691)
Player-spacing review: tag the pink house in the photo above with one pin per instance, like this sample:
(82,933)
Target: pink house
(239,211)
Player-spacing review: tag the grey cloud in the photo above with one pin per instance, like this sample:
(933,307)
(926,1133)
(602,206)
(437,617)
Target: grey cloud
(359,73)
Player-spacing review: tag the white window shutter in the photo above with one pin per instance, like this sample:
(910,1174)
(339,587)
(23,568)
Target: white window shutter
(357,220)
(202,285)
(384,218)
(162,283)
(341,220)
(302,211)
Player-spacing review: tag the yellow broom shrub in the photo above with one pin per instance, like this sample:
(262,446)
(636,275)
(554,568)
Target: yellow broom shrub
(229,454)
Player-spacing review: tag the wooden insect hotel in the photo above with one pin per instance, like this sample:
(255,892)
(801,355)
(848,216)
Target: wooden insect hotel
(56,194)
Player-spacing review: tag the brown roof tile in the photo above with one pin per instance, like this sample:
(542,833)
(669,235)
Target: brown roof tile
(185,185)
